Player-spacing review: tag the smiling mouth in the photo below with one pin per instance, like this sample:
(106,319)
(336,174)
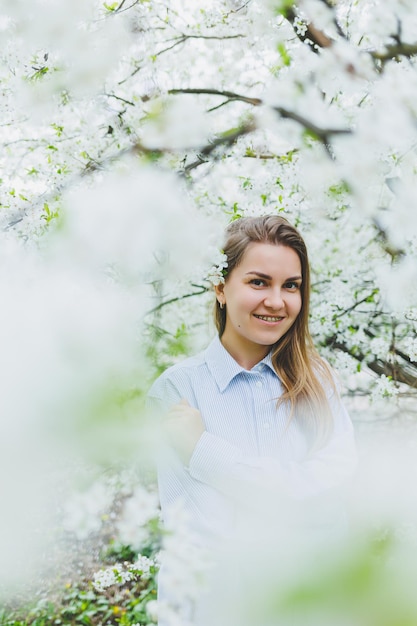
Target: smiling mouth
(269,318)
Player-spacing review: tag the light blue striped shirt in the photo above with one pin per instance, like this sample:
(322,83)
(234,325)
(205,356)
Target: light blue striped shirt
(250,452)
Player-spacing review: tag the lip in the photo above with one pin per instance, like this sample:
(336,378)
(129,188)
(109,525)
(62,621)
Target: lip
(273,321)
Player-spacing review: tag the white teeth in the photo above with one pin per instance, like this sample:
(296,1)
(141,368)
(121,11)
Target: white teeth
(269,318)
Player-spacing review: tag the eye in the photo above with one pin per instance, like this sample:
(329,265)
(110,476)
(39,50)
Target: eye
(291,285)
(257,282)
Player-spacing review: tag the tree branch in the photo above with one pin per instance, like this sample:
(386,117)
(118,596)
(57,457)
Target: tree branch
(122,8)
(159,306)
(322,134)
(178,41)
(219,37)
(228,138)
(316,39)
(183,38)
(353,307)
(395,51)
(231,95)
(112,95)
(312,36)
(399,373)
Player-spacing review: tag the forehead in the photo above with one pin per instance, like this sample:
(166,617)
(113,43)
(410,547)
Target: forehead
(268,258)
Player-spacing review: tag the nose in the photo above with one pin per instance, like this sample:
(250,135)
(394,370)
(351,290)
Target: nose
(274,299)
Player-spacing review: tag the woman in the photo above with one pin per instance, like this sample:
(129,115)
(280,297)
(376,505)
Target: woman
(255,421)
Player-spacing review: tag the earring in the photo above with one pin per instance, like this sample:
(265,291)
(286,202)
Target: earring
(221,305)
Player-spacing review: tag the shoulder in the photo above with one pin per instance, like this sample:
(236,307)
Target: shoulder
(177,381)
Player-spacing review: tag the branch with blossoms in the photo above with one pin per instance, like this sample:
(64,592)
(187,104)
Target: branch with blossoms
(309,34)
(230,95)
(320,133)
(400,372)
(161,305)
(228,138)
(395,51)
(315,38)
(186,37)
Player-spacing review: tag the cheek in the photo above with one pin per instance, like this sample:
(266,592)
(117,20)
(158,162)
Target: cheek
(297,304)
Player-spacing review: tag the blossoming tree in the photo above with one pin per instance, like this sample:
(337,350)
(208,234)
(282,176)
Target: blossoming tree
(132,132)
(305,109)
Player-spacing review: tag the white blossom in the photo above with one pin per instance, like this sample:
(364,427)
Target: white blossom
(138,510)
(216,274)
(121,573)
(384,387)
(410,344)
(84,510)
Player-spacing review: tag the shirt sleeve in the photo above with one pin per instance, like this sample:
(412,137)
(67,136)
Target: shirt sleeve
(224,466)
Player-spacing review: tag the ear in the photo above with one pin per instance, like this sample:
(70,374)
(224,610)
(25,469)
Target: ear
(219,291)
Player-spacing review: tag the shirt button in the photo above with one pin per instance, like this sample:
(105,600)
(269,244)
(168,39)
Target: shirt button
(259,383)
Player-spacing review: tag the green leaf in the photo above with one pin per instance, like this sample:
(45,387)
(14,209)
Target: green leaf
(283,52)
(282,7)
(110,7)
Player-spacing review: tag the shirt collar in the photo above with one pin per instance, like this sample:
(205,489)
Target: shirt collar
(224,368)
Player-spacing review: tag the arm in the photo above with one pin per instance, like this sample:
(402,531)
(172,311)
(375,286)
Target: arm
(224,466)
(178,424)
(219,463)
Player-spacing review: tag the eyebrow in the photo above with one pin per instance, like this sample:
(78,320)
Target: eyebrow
(267,277)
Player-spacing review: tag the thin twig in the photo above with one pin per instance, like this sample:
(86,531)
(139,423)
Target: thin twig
(159,306)
(395,51)
(378,366)
(218,92)
(228,138)
(321,133)
(112,95)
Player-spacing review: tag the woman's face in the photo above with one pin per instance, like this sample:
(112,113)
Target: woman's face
(262,296)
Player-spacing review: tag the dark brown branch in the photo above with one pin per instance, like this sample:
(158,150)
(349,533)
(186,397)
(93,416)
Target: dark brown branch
(179,41)
(177,299)
(183,38)
(228,138)
(121,8)
(356,304)
(238,9)
(395,51)
(220,37)
(112,95)
(394,349)
(231,95)
(339,29)
(135,71)
(314,37)
(323,134)
(383,237)
(399,373)
(222,104)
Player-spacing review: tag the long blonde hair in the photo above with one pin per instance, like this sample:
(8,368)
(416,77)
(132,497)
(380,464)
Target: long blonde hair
(302,371)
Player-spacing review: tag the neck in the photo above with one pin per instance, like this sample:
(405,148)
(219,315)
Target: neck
(247,358)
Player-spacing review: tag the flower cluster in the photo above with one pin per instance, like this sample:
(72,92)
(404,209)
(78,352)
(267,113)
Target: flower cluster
(218,271)
(121,573)
(141,507)
(384,388)
(411,347)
